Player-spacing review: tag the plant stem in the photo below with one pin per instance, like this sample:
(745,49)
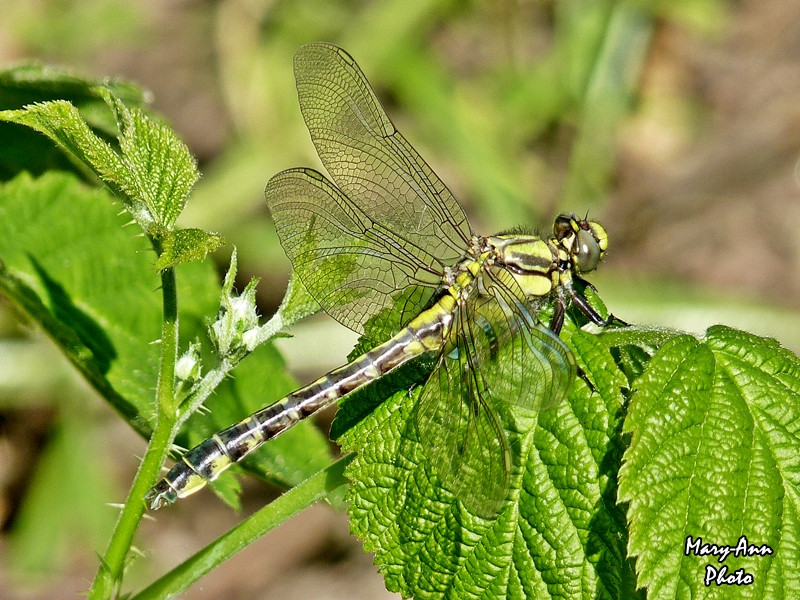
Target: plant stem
(289,504)
(165,394)
(109,574)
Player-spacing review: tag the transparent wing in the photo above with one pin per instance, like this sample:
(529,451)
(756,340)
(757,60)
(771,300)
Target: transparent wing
(500,355)
(460,430)
(369,160)
(355,268)
(528,365)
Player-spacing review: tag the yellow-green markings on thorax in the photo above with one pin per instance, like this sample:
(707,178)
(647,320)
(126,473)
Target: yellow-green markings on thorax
(530,260)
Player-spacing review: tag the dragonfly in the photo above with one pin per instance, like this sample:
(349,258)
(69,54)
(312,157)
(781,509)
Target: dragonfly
(384,240)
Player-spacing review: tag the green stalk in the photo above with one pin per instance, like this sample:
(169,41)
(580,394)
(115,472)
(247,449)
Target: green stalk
(109,574)
(297,499)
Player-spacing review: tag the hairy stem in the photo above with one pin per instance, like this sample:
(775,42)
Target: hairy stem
(109,574)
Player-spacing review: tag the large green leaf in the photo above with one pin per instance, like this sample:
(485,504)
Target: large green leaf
(69,262)
(558,535)
(714,455)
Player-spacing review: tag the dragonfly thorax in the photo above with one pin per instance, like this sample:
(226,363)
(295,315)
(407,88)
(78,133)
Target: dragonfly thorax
(531,261)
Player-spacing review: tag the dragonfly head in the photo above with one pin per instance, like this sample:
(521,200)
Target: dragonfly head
(585,242)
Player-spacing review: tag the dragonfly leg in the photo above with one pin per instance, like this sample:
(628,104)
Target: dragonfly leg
(582,374)
(557,322)
(594,316)
(585,282)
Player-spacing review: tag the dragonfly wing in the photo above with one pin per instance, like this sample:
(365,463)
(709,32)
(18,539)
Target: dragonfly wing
(524,362)
(369,160)
(501,355)
(461,432)
(352,266)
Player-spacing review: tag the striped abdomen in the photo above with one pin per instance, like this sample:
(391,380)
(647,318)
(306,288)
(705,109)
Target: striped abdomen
(207,460)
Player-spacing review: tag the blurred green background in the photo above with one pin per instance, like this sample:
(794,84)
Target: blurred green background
(675,123)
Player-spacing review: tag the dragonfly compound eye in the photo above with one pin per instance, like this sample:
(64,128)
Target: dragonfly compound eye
(587,252)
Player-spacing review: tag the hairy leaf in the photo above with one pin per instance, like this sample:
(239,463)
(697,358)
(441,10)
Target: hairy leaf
(67,260)
(183,245)
(559,533)
(153,171)
(714,455)
(24,149)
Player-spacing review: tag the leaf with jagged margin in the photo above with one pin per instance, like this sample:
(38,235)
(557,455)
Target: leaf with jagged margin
(715,454)
(26,150)
(559,534)
(153,171)
(183,245)
(68,262)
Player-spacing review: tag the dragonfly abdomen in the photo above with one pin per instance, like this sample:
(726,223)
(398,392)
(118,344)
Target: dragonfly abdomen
(206,461)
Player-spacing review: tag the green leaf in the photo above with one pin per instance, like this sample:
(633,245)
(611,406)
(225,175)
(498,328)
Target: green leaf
(62,123)
(633,346)
(33,82)
(297,303)
(559,532)
(183,245)
(159,169)
(26,150)
(68,261)
(153,172)
(89,283)
(714,455)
